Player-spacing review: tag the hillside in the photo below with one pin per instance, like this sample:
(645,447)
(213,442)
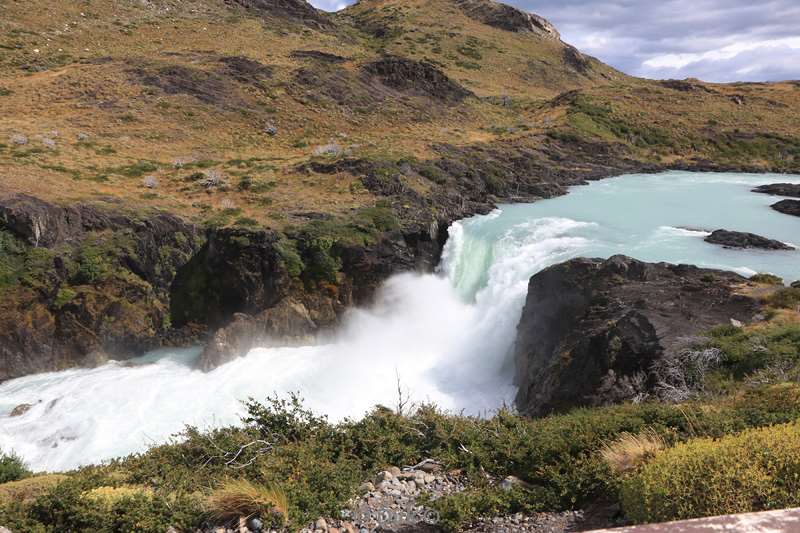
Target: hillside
(333,149)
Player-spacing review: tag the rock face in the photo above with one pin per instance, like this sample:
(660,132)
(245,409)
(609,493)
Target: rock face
(288,322)
(738,239)
(788,207)
(780,189)
(269,308)
(292,10)
(508,18)
(589,326)
(418,76)
(84,282)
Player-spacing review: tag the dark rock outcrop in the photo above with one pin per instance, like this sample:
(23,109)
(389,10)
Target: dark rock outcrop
(94,282)
(43,224)
(780,189)
(298,11)
(287,323)
(416,76)
(507,18)
(788,207)
(590,325)
(739,239)
(286,312)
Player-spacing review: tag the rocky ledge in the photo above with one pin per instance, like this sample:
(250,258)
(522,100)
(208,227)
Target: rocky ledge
(788,207)
(592,329)
(780,189)
(392,502)
(738,239)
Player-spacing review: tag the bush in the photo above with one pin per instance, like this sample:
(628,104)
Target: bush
(319,465)
(754,471)
(746,350)
(769,279)
(788,298)
(12,468)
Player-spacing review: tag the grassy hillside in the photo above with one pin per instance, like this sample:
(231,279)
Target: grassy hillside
(108,93)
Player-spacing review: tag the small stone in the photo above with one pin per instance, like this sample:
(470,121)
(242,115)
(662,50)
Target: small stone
(332,149)
(19,139)
(83,136)
(20,410)
(151,182)
(430,467)
(50,143)
(171,529)
(255,525)
(366,487)
(333,530)
(736,323)
(321,523)
(394,471)
(429,478)
(383,476)
(271,130)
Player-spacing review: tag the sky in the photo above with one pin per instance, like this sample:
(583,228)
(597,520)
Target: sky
(714,40)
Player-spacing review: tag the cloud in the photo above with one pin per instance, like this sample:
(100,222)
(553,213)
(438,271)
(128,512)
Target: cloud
(715,40)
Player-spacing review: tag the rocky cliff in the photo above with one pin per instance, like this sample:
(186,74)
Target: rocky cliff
(591,328)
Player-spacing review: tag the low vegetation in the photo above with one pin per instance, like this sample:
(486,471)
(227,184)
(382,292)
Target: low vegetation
(756,470)
(287,463)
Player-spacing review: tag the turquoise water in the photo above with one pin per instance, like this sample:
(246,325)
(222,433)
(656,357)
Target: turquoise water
(662,217)
(444,337)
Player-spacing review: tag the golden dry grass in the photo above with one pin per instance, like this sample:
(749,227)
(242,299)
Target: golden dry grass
(629,451)
(239,497)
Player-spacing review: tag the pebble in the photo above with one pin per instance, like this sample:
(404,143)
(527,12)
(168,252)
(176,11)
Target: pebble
(19,139)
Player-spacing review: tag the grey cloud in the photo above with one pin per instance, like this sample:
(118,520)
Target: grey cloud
(628,33)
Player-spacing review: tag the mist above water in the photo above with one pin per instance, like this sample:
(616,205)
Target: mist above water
(445,337)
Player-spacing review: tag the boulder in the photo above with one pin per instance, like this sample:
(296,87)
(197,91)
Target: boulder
(419,77)
(592,328)
(508,18)
(738,239)
(287,323)
(788,207)
(780,189)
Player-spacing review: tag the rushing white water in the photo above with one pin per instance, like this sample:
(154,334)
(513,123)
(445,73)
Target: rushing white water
(446,336)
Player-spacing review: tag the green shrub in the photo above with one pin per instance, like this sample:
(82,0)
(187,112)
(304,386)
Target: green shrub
(746,350)
(287,250)
(319,464)
(787,298)
(756,470)
(460,509)
(769,279)
(12,468)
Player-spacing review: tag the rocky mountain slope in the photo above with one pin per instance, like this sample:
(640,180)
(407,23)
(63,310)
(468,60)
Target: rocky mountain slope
(148,146)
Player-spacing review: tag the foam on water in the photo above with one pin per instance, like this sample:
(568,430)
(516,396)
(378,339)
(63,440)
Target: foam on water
(446,336)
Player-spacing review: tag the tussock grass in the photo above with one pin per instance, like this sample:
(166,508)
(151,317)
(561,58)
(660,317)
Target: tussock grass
(629,451)
(240,497)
